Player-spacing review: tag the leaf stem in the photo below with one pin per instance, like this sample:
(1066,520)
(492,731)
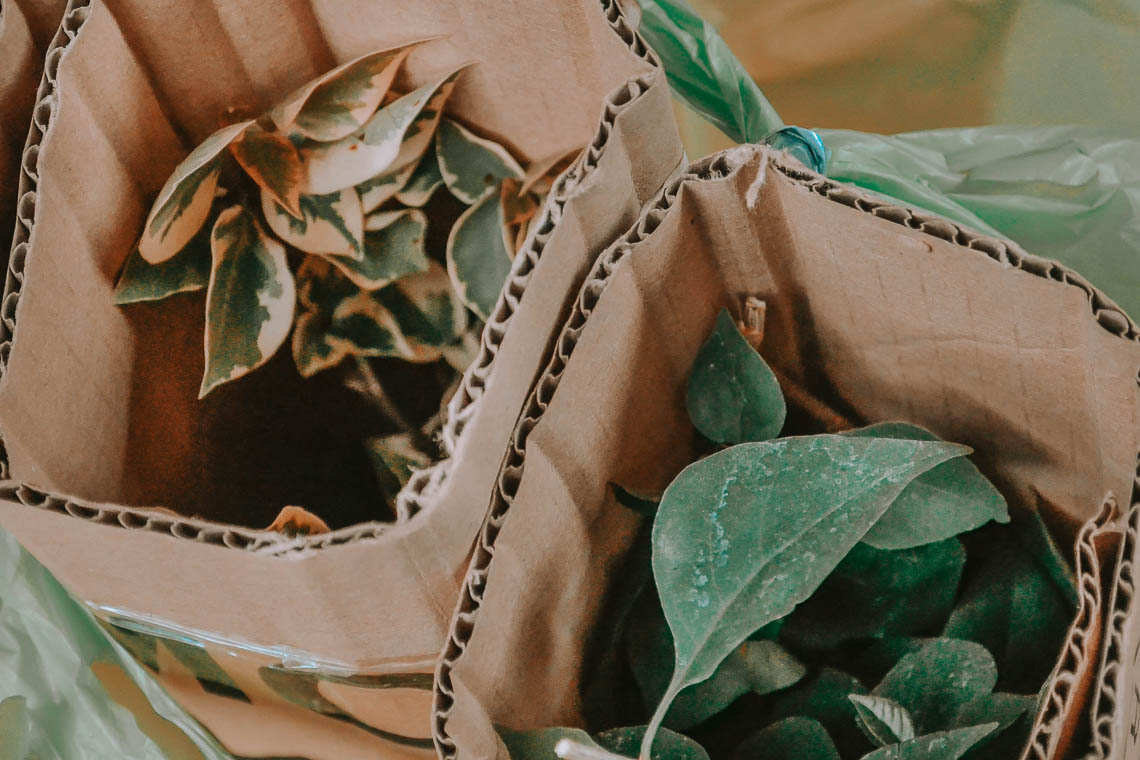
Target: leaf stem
(659,718)
(800,397)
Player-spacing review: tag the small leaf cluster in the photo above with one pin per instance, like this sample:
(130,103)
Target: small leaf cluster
(826,597)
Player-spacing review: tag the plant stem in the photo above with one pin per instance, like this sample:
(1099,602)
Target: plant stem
(799,396)
(658,718)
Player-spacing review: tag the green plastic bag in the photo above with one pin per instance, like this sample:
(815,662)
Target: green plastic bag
(1067,193)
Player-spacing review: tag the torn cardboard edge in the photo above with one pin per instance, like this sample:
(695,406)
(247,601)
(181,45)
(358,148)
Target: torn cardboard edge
(465,401)
(1106,314)
(1115,675)
(418,492)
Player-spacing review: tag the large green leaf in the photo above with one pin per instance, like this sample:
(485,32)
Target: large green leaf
(338,103)
(394,137)
(393,248)
(186,271)
(733,396)
(184,202)
(330,224)
(423,182)
(883,720)
(745,535)
(672,746)
(250,301)
(539,745)
(272,161)
(795,738)
(757,666)
(937,680)
(479,256)
(943,745)
(952,498)
(874,593)
(471,165)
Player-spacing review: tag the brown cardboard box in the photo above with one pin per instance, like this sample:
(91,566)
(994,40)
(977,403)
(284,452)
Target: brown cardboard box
(320,647)
(897,315)
(26,29)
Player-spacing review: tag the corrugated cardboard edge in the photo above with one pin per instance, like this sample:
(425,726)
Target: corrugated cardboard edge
(1107,314)
(1114,676)
(418,492)
(464,403)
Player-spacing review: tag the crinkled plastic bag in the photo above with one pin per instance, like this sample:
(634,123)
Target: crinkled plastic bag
(1066,193)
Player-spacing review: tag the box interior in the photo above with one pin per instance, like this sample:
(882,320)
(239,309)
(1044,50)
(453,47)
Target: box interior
(101,402)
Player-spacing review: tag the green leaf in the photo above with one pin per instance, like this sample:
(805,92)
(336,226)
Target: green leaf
(186,271)
(883,720)
(338,103)
(671,746)
(746,534)
(377,191)
(1014,714)
(795,738)
(943,745)
(423,183)
(273,162)
(875,593)
(427,311)
(643,504)
(824,697)
(1011,605)
(393,248)
(250,301)
(394,137)
(539,745)
(183,204)
(479,256)
(952,498)
(937,680)
(757,666)
(471,165)
(398,455)
(733,396)
(330,224)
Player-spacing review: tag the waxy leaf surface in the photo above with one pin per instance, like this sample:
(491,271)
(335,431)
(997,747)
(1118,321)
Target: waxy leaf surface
(942,745)
(478,255)
(329,224)
(471,165)
(883,720)
(250,301)
(377,191)
(733,396)
(746,534)
(273,163)
(393,249)
(423,182)
(188,270)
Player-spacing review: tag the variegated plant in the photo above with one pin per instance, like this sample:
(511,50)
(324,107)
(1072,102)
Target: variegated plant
(312,221)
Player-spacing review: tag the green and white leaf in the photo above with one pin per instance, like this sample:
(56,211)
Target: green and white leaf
(883,720)
(479,256)
(796,738)
(393,248)
(338,103)
(183,204)
(943,745)
(394,137)
(952,498)
(423,183)
(471,165)
(250,300)
(329,224)
(273,162)
(672,746)
(937,680)
(733,396)
(186,271)
(427,311)
(748,533)
(377,191)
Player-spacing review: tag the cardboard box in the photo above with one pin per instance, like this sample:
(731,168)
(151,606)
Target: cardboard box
(321,647)
(893,313)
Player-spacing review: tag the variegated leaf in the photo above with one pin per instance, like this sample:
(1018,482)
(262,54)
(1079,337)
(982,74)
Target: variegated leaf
(479,256)
(338,103)
(541,174)
(392,250)
(184,202)
(273,163)
(427,311)
(883,720)
(330,224)
(250,301)
(519,208)
(187,270)
(399,456)
(423,183)
(379,190)
(394,137)
(471,165)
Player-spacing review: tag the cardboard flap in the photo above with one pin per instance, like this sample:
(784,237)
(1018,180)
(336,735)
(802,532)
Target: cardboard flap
(890,314)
